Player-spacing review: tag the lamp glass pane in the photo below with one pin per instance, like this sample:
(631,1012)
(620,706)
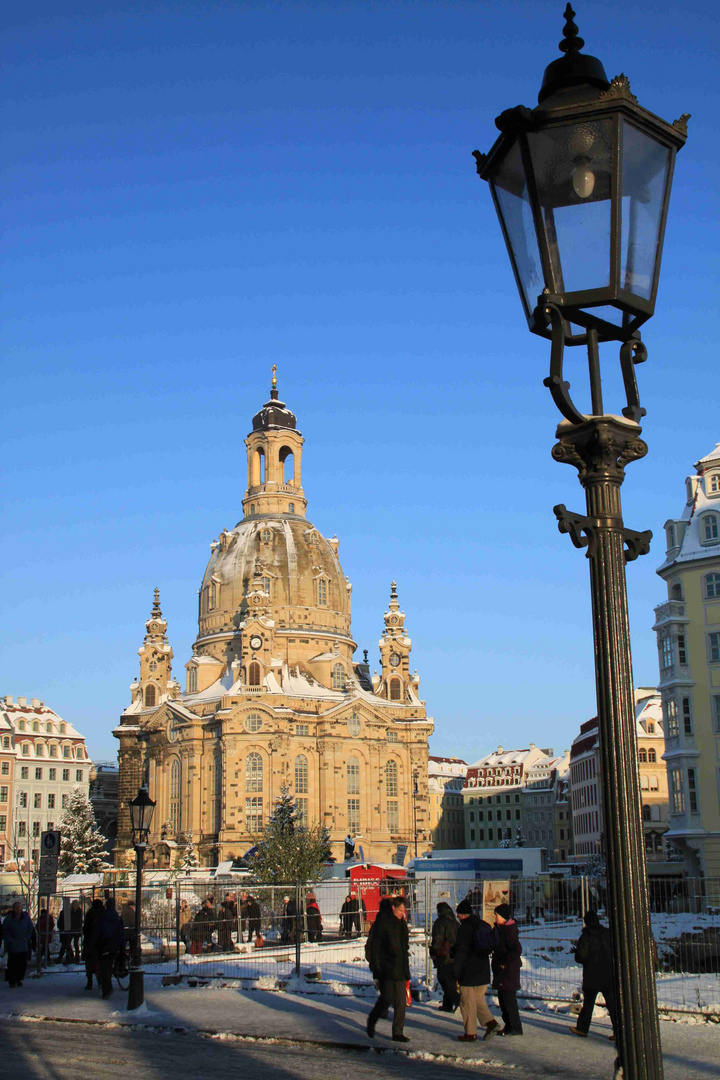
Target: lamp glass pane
(510,189)
(645,170)
(571,163)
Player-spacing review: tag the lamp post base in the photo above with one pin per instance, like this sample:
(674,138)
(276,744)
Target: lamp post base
(136,989)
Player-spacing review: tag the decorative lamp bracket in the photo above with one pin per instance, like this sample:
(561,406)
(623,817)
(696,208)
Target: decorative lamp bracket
(583,531)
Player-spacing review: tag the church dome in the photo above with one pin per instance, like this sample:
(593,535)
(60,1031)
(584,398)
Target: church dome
(287,559)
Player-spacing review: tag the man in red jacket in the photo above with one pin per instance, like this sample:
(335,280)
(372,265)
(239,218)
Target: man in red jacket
(506,964)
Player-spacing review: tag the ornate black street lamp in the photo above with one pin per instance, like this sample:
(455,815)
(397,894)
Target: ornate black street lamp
(141,813)
(581,185)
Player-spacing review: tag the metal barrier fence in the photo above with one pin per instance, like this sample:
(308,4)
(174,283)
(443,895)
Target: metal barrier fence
(271,935)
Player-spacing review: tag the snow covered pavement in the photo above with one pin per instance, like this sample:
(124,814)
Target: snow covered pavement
(330,1020)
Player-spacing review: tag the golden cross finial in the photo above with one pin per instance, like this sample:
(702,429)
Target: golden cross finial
(274,377)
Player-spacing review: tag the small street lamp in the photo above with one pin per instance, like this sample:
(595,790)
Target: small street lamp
(581,186)
(141,814)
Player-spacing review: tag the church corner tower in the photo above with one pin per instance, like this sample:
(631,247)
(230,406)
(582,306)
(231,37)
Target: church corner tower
(273,695)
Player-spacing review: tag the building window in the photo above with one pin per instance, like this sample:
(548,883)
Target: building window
(66,774)
(682,649)
(666,651)
(26,749)
(254,674)
(716,713)
(291,508)
(354,725)
(66,750)
(671,718)
(21,830)
(322,592)
(353,776)
(21,725)
(39,750)
(265,583)
(391,779)
(174,797)
(149,702)
(253,722)
(53,749)
(3,823)
(677,794)
(38,774)
(5,768)
(254,773)
(712,586)
(22,800)
(37,801)
(393,818)
(301,775)
(652,755)
(302,729)
(353,816)
(3,794)
(642,754)
(51,801)
(302,812)
(53,774)
(714,648)
(78,776)
(391,736)
(692,791)
(265,536)
(395,690)
(253,814)
(36,828)
(710,529)
(338,677)
(65,802)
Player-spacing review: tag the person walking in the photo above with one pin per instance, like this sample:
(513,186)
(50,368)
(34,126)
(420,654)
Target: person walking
(17,935)
(594,952)
(90,953)
(444,933)
(227,923)
(314,918)
(390,965)
(109,940)
(184,924)
(45,931)
(70,936)
(471,967)
(254,919)
(506,964)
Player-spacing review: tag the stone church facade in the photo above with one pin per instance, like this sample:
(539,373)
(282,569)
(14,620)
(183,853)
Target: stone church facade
(273,696)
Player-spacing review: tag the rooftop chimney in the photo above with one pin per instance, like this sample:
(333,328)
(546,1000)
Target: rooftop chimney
(22,701)
(35,702)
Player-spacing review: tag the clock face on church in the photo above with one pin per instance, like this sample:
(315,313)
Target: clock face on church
(394,659)
(255,642)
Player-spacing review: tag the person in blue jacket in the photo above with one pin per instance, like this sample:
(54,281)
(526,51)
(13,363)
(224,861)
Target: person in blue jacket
(17,935)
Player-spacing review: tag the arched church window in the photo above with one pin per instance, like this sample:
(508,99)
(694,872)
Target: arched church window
(266,536)
(322,592)
(213,595)
(175,796)
(652,754)
(152,666)
(149,695)
(192,680)
(391,779)
(338,677)
(353,776)
(301,775)
(646,812)
(254,674)
(265,585)
(354,725)
(258,467)
(253,722)
(291,508)
(254,773)
(287,461)
(642,754)
(395,690)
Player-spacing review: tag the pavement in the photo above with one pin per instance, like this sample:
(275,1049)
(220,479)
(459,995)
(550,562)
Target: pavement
(332,1022)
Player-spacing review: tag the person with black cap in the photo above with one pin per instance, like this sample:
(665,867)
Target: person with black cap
(390,965)
(594,952)
(471,967)
(506,964)
(444,932)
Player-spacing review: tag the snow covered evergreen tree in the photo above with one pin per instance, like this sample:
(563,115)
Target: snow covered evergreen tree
(82,847)
(519,838)
(190,858)
(289,852)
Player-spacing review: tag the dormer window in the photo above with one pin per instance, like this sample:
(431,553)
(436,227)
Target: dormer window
(192,680)
(709,529)
(712,586)
(322,592)
(266,536)
(291,508)
(338,677)
(713,484)
(671,536)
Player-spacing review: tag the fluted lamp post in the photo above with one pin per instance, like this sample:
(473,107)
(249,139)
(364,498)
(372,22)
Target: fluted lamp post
(581,186)
(142,808)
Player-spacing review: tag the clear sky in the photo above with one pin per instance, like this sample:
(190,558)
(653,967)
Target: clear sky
(194,192)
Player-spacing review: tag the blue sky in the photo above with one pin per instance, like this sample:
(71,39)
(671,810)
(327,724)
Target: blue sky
(195,192)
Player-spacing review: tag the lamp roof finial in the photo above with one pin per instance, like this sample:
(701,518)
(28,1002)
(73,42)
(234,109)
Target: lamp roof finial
(572,42)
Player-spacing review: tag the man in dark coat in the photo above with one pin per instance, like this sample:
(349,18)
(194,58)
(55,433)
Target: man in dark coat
(253,916)
(350,915)
(506,964)
(594,952)
(444,932)
(471,967)
(70,936)
(314,918)
(17,936)
(390,965)
(109,940)
(90,953)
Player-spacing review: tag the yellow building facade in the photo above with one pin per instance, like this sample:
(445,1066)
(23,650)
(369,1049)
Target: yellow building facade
(273,696)
(688,632)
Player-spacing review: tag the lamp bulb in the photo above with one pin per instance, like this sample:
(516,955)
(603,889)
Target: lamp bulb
(583,179)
